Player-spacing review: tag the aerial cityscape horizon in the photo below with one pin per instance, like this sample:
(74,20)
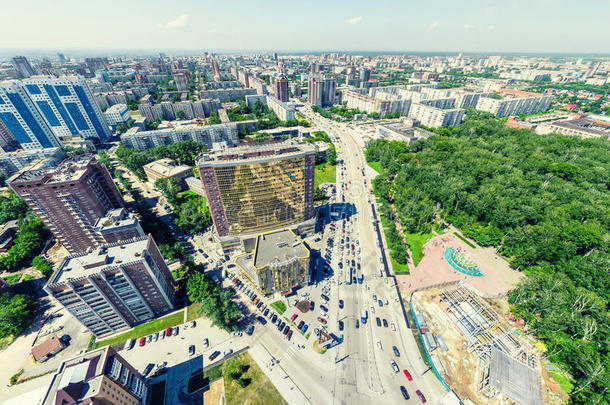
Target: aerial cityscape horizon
(330,203)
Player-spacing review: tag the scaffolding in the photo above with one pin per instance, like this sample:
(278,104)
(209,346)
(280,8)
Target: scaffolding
(487,333)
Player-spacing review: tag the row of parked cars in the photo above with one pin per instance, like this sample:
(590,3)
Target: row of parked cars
(266,312)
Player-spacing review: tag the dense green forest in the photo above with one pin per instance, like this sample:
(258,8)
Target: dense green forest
(544,202)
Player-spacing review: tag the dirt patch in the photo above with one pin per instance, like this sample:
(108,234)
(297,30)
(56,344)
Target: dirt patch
(214,394)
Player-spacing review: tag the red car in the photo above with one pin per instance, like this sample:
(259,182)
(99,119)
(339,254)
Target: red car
(293,317)
(322,320)
(142,341)
(421,396)
(168,332)
(407,374)
(289,334)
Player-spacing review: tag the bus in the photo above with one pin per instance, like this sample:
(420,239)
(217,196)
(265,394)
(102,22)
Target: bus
(363,316)
(348,275)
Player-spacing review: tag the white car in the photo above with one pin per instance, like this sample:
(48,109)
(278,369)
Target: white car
(206,343)
(393,327)
(227,352)
(379,345)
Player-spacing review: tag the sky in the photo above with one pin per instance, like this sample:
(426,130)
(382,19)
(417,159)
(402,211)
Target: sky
(545,26)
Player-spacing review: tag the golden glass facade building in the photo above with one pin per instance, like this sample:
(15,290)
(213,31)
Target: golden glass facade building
(257,188)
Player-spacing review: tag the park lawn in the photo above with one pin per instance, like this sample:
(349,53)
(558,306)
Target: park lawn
(564,382)
(375,166)
(279,306)
(399,268)
(144,329)
(325,173)
(192,311)
(416,242)
(6,341)
(213,373)
(260,391)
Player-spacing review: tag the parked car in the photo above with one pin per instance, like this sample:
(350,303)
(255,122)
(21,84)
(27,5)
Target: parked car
(289,334)
(191,350)
(250,330)
(407,374)
(340,325)
(261,320)
(385,323)
(274,318)
(421,396)
(280,327)
(266,312)
(206,343)
(301,324)
(323,308)
(293,317)
(380,303)
(168,332)
(396,352)
(227,352)
(148,369)
(311,305)
(378,321)
(322,320)
(340,304)
(379,345)
(286,329)
(214,355)
(405,394)
(393,327)
(142,341)
(305,328)
(394,366)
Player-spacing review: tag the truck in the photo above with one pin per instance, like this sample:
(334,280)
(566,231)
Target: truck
(363,316)
(348,275)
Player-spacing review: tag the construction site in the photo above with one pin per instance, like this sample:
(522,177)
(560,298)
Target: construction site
(477,352)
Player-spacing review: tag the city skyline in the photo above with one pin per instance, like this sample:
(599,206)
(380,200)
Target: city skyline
(480,26)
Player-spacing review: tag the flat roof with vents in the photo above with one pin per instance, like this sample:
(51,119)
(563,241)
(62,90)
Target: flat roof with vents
(277,247)
(514,379)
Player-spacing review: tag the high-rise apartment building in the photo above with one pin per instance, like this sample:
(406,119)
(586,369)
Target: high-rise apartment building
(23,67)
(321,90)
(256,188)
(70,198)
(181,81)
(215,68)
(281,88)
(114,286)
(365,75)
(95,64)
(7,140)
(100,376)
(68,106)
(23,119)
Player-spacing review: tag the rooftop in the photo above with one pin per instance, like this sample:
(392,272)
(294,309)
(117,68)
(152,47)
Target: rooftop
(277,247)
(245,154)
(166,167)
(94,261)
(114,219)
(585,125)
(514,379)
(70,169)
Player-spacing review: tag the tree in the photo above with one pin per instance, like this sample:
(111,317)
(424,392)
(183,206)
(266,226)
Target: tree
(15,313)
(319,194)
(12,207)
(215,302)
(180,114)
(40,264)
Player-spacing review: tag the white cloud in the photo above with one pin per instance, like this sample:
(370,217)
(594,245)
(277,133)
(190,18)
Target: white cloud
(433,26)
(468,27)
(178,22)
(354,20)
(491,28)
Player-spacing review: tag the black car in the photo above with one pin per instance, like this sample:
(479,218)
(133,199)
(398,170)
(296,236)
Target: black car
(260,304)
(281,325)
(301,324)
(323,308)
(396,352)
(311,305)
(250,330)
(286,329)
(261,320)
(266,313)
(340,304)
(214,355)
(340,325)
(254,296)
(274,318)
(357,324)
(324,297)
(378,321)
(385,323)
(404,392)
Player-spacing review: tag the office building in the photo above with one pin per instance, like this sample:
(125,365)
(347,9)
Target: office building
(257,188)
(23,120)
(514,102)
(69,199)
(321,90)
(100,376)
(115,286)
(434,117)
(23,67)
(116,114)
(278,264)
(68,106)
(167,169)
(284,111)
(281,88)
(207,135)
(95,64)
